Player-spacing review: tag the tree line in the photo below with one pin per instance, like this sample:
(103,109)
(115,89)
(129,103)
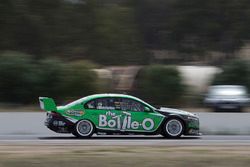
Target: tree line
(122,31)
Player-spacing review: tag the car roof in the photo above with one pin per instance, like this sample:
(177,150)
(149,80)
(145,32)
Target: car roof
(103,95)
(108,95)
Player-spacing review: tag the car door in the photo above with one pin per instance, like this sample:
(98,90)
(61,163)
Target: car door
(104,114)
(136,118)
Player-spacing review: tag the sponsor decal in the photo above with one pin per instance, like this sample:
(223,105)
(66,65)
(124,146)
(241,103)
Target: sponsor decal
(77,113)
(124,122)
(59,123)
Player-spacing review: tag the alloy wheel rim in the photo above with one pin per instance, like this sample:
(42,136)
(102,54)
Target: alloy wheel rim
(84,128)
(174,127)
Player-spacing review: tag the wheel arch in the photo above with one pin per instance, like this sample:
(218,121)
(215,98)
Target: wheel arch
(94,127)
(76,133)
(171,116)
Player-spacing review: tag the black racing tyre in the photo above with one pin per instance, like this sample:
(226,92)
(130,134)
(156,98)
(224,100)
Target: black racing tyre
(83,129)
(173,128)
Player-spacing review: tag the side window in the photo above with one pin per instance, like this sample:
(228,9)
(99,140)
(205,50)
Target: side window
(101,104)
(90,105)
(131,105)
(104,104)
(117,103)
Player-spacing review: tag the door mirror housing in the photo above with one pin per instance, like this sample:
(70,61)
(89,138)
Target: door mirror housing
(147,109)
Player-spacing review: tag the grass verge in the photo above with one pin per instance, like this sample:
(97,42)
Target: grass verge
(121,156)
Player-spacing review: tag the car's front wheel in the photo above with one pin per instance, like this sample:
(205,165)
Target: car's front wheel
(83,129)
(173,128)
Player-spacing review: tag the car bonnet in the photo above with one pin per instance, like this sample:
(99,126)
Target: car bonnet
(176,111)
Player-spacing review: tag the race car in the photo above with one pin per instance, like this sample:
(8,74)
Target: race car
(117,114)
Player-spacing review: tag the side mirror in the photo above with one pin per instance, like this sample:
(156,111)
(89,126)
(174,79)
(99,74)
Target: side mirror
(147,109)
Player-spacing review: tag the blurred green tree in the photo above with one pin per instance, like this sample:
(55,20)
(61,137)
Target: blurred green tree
(17,77)
(160,85)
(78,80)
(236,72)
(116,39)
(23,79)
(50,72)
(120,32)
(194,26)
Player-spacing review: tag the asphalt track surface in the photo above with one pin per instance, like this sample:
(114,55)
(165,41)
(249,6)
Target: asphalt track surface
(28,128)
(57,139)
(32,123)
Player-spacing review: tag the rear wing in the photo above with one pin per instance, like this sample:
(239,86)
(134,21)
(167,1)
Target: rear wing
(47,104)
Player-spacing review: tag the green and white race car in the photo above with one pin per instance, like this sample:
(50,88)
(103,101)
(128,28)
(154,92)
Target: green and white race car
(117,114)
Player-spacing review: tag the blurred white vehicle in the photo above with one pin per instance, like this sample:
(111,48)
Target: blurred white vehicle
(227,97)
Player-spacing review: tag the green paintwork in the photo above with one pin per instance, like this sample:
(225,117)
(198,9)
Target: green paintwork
(111,119)
(47,104)
(193,125)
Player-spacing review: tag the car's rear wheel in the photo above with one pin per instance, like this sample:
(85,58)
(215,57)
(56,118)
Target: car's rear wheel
(83,129)
(173,128)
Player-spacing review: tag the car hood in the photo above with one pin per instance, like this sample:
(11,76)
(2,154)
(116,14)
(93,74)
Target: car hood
(176,111)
